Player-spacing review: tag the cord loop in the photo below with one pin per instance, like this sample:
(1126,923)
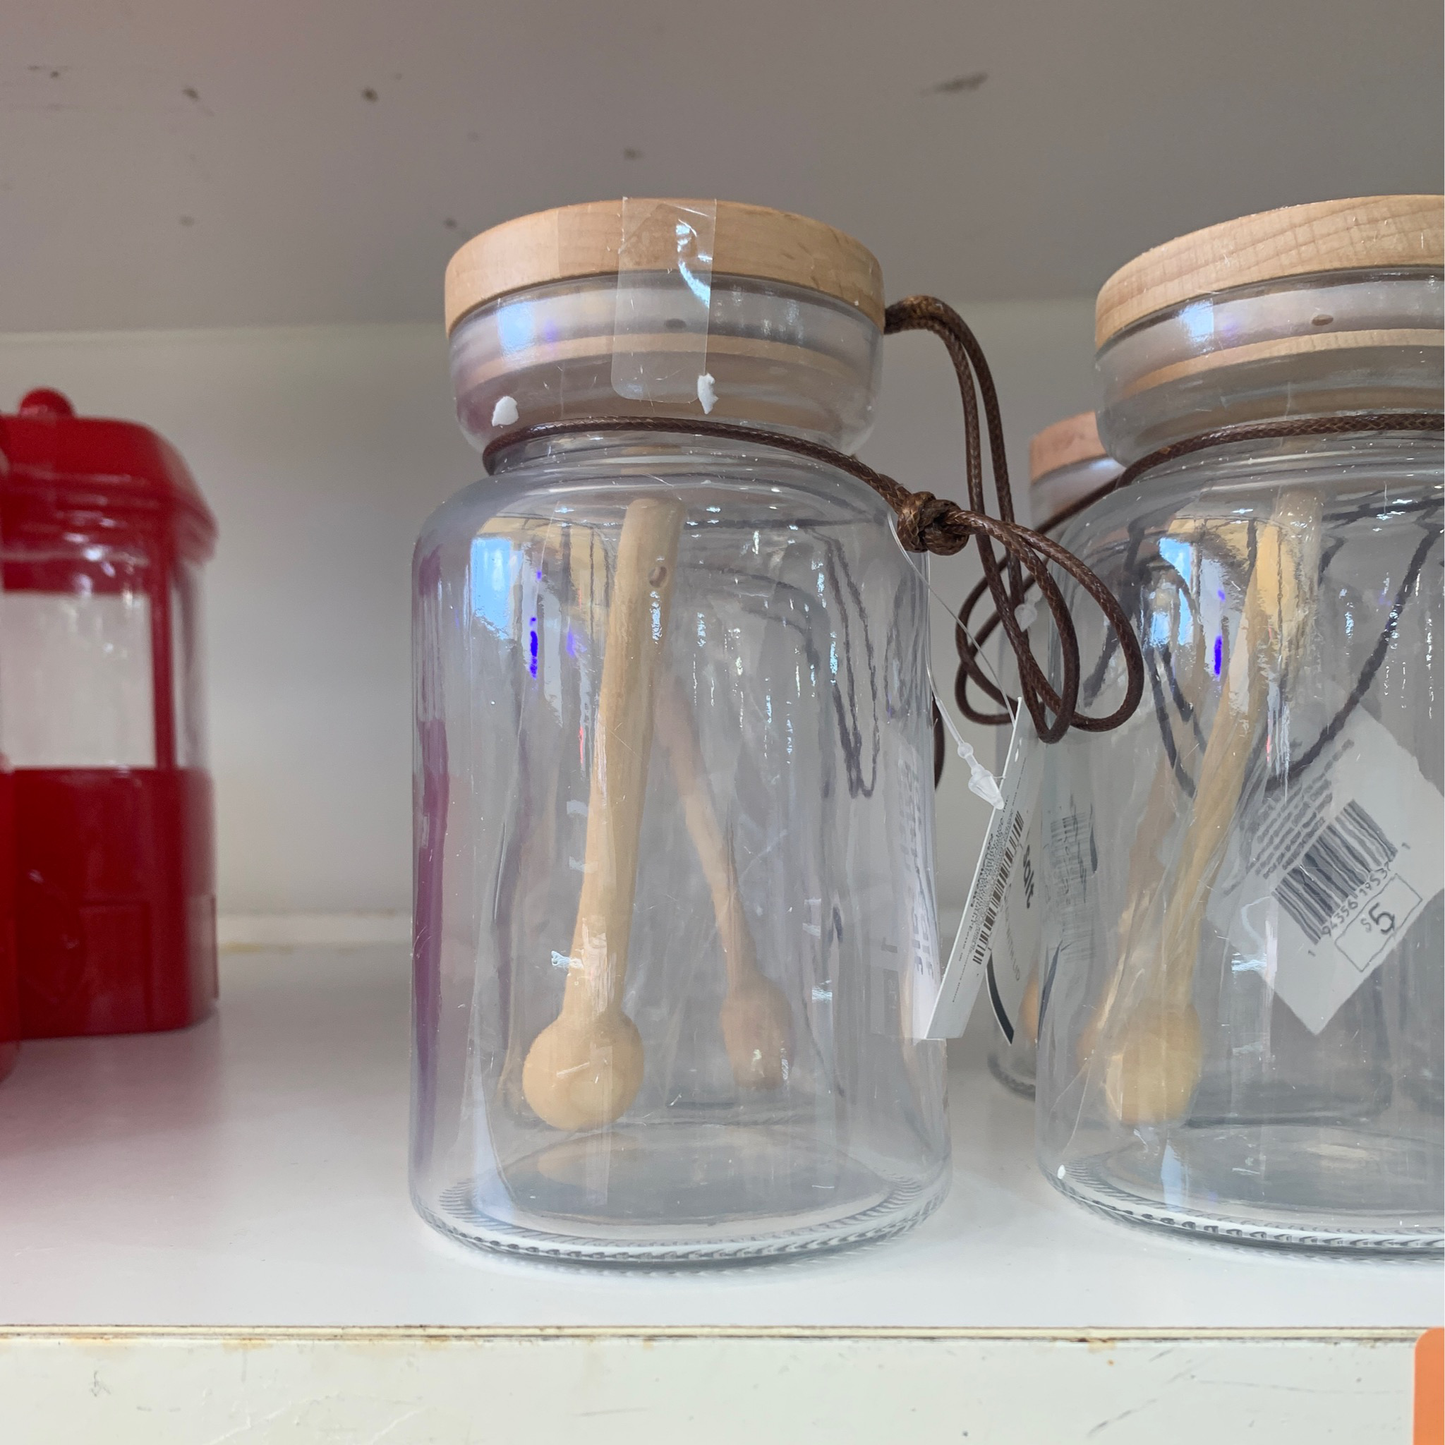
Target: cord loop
(1284,429)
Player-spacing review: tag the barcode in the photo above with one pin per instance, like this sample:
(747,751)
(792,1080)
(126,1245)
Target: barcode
(1348,854)
(999,891)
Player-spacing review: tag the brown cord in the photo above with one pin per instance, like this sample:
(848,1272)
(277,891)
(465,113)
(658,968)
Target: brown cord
(971,642)
(927,523)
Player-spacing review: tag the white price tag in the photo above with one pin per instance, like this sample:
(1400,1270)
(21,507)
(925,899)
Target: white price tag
(1015,945)
(919,926)
(1338,867)
(999,858)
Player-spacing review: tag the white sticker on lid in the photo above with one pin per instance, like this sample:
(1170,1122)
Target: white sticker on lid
(1339,866)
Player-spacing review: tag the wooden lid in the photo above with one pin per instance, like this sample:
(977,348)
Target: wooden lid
(1354,235)
(576,241)
(1075,439)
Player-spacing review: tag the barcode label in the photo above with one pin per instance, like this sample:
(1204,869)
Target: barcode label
(1325,878)
(981,948)
(1350,855)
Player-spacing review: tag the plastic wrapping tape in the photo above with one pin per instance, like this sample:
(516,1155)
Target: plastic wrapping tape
(659,351)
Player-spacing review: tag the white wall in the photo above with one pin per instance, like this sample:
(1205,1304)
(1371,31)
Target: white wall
(214,163)
(321,450)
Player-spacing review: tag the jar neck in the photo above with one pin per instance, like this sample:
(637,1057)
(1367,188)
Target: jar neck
(660,454)
(1397,465)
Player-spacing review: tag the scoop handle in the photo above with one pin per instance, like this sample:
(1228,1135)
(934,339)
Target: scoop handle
(636,633)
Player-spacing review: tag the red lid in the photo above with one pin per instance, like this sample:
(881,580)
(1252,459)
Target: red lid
(101,475)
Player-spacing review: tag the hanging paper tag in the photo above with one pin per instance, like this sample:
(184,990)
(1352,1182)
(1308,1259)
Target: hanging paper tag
(1015,946)
(1338,867)
(998,860)
(918,927)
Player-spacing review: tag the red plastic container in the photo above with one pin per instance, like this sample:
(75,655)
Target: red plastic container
(103,535)
(9,975)
(9,980)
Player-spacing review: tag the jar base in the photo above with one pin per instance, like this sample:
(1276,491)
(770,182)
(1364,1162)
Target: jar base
(682,1194)
(1336,1177)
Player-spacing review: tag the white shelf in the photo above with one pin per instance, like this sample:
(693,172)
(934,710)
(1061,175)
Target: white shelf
(252,1172)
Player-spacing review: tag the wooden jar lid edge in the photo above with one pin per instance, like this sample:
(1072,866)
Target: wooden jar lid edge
(1065,443)
(1323,236)
(573,242)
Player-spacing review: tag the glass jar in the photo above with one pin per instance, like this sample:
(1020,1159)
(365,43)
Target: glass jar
(1242,1017)
(103,535)
(673,752)
(1067,463)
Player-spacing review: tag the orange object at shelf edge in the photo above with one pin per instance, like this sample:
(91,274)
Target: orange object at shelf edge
(1430,1388)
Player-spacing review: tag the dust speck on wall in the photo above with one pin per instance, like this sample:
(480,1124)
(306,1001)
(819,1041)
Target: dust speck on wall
(959,85)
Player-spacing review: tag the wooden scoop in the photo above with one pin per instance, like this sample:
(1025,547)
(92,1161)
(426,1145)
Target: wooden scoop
(1153,1071)
(1138,929)
(757,1024)
(585,1068)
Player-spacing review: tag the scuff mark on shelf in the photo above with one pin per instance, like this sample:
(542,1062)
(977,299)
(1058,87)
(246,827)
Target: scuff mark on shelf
(1123,1415)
